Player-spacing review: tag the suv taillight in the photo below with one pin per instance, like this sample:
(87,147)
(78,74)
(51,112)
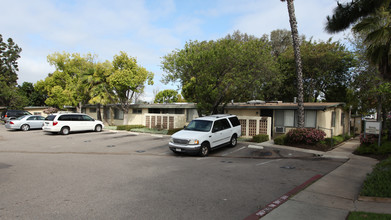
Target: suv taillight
(55,123)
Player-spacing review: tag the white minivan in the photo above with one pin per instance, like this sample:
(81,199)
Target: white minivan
(207,133)
(70,122)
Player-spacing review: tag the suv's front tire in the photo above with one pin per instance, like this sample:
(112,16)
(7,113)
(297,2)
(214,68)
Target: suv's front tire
(204,150)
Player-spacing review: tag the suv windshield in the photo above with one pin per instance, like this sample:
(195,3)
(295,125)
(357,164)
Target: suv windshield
(199,125)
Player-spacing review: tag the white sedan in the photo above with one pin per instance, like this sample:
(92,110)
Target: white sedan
(26,122)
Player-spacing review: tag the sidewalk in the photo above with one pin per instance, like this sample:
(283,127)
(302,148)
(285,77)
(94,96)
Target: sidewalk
(335,194)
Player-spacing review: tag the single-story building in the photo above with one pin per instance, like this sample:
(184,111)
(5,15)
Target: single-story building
(257,117)
(329,117)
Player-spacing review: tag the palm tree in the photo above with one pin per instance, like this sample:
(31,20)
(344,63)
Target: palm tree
(349,13)
(377,31)
(296,47)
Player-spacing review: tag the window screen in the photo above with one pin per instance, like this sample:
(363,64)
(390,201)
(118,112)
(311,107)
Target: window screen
(310,119)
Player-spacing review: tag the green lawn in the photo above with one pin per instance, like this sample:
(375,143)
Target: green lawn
(377,184)
(366,215)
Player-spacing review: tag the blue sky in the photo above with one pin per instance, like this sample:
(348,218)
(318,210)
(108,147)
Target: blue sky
(145,29)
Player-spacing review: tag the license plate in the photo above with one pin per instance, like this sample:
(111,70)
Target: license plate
(178,149)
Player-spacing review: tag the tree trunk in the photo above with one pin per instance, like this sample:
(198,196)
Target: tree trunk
(296,47)
(98,115)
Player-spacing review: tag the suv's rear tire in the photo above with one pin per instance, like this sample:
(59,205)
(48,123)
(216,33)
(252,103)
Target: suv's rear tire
(98,128)
(204,150)
(234,140)
(25,127)
(65,130)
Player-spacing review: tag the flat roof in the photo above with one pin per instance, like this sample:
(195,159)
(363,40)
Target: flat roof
(285,105)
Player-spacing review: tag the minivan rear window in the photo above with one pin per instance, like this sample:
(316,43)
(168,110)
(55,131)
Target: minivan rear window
(50,118)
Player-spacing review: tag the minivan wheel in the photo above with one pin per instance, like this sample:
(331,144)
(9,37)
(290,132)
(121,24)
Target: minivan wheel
(98,128)
(204,151)
(65,130)
(25,127)
(234,140)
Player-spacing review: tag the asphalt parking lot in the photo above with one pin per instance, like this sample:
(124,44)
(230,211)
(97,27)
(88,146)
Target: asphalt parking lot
(123,175)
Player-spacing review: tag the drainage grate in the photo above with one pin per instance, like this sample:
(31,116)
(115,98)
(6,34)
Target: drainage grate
(140,151)
(110,146)
(288,167)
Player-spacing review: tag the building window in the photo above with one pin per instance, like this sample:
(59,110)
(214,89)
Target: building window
(118,114)
(285,118)
(92,110)
(342,118)
(333,119)
(137,111)
(310,119)
(154,110)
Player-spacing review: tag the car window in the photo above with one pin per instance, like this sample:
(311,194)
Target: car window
(234,121)
(20,117)
(220,125)
(31,118)
(40,118)
(50,117)
(87,118)
(199,125)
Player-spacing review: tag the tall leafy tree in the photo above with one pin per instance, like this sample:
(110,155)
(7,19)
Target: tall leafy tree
(296,48)
(67,84)
(127,80)
(33,95)
(9,54)
(100,91)
(166,96)
(212,73)
(326,71)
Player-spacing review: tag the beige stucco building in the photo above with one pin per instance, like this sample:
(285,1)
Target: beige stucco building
(259,117)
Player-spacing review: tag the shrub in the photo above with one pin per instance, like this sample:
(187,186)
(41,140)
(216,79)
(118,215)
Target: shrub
(368,139)
(128,127)
(260,138)
(172,131)
(384,149)
(280,140)
(308,136)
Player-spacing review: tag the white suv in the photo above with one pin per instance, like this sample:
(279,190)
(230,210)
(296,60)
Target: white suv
(206,133)
(69,122)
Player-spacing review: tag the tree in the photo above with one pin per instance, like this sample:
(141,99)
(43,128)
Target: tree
(127,79)
(350,12)
(9,54)
(67,84)
(100,91)
(34,96)
(166,96)
(296,47)
(326,71)
(371,20)
(212,73)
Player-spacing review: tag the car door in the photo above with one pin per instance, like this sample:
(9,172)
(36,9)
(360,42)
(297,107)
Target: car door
(88,122)
(33,122)
(220,133)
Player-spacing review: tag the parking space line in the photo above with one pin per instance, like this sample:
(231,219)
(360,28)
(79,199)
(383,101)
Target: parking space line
(259,164)
(233,151)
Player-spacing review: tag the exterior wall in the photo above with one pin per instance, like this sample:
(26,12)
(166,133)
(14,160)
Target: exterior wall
(36,110)
(252,126)
(356,124)
(324,122)
(243,112)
